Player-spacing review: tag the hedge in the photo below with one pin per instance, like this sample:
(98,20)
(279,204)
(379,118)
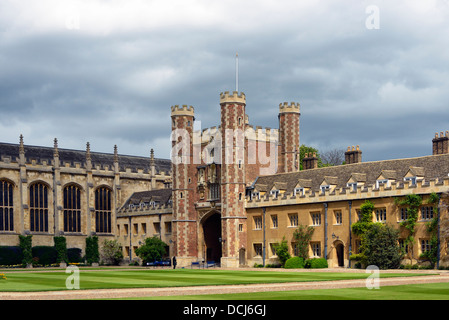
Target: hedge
(294,263)
(316,263)
(61,249)
(44,255)
(10,255)
(74,255)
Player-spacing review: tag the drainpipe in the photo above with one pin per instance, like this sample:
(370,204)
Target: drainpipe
(438,231)
(350,234)
(130,243)
(325,230)
(263,246)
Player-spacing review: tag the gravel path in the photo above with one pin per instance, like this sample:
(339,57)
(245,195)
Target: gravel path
(200,290)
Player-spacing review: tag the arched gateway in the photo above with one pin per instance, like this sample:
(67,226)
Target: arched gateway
(212,237)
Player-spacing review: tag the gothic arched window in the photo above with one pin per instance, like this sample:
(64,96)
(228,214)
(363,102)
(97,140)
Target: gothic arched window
(72,209)
(39,207)
(6,206)
(103,210)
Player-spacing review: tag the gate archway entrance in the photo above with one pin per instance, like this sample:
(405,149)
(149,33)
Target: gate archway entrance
(212,236)
(340,249)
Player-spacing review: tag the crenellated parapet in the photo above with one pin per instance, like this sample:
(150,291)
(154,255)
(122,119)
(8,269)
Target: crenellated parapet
(183,110)
(145,209)
(396,189)
(293,107)
(235,97)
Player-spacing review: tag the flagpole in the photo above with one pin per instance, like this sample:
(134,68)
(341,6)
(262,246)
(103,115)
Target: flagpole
(237,72)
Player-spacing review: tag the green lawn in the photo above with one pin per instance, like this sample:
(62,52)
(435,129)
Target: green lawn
(142,278)
(429,291)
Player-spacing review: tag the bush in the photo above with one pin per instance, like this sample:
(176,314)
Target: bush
(10,255)
(61,249)
(294,263)
(45,255)
(282,251)
(92,253)
(74,255)
(25,245)
(381,247)
(316,263)
(152,250)
(111,252)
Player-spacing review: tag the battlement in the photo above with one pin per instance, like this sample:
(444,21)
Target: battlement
(292,107)
(145,209)
(183,110)
(396,189)
(235,97)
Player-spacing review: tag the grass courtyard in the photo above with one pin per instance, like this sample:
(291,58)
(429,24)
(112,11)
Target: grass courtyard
(428,291)
(106,278)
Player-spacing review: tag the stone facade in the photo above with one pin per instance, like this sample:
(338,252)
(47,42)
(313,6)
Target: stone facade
(228,194)
(39,180)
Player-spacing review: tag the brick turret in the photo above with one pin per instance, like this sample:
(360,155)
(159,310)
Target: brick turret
(288,156)
(185,246)
(233,214)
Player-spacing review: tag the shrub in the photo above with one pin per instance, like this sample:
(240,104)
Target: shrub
(74,255)
(61,249)
(10,255)
(282,251)
(381,247)
(302,235)
(92,253)
(294,263)
(25,245)
(152,250)
(111,252)
(316,263)
(46,255)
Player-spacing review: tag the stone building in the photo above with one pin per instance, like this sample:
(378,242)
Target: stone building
(228,194)
(51,191)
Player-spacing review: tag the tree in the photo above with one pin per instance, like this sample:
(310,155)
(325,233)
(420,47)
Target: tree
(152,250)
(111,252)
(302,235)
(333,157)
(303,149)
(381,246)
(282,251)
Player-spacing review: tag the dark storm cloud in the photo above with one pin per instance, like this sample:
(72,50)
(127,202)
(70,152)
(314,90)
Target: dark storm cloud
(108,73)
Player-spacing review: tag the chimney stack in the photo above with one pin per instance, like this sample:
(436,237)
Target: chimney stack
(353,155)
(310,161)
(440,144)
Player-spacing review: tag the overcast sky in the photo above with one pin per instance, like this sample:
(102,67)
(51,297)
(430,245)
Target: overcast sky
(369,73)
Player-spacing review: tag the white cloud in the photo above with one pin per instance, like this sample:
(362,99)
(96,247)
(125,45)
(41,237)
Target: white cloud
(122,64)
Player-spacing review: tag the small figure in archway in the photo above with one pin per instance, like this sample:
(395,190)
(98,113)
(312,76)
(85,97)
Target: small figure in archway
(174,262)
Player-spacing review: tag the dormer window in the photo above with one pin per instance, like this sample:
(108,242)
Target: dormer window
(274,193)
(298,192)
(410,179)
(381,182)
(325,188)
(255,195)
(352,186)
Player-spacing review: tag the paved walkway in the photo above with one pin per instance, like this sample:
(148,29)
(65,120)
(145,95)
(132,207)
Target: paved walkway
(200,290)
